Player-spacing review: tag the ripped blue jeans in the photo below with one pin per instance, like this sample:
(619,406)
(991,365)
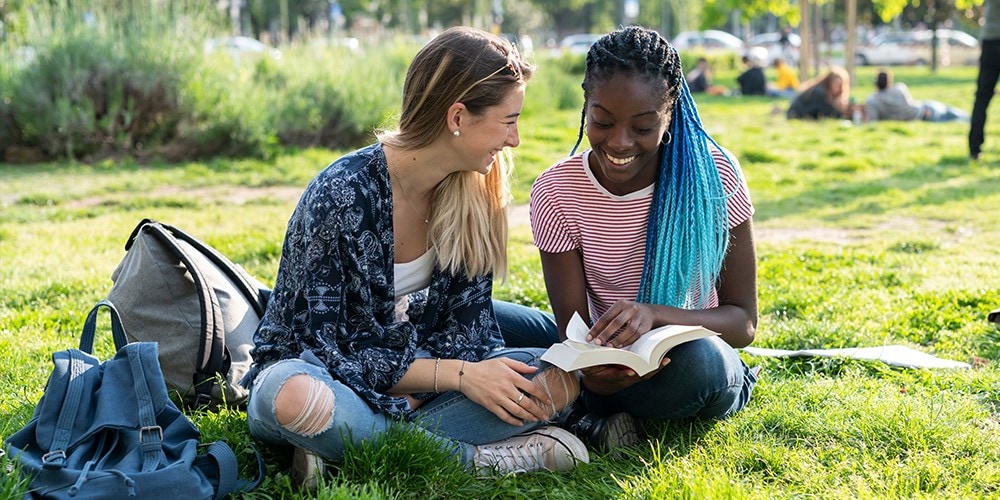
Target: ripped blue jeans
(451,419)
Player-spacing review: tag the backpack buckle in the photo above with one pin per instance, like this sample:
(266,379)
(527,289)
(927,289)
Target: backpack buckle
(153,428)
(55,459)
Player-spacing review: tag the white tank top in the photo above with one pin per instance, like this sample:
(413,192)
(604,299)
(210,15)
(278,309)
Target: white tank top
(414,275)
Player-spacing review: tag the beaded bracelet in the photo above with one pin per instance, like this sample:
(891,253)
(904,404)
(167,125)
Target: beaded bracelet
(437,364)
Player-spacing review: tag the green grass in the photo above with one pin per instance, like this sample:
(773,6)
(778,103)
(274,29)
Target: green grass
(869,235)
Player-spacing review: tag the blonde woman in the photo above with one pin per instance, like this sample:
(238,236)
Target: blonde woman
(826,96)
(381,312)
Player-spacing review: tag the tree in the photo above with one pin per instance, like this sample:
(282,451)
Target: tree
(930,12)
(568,16)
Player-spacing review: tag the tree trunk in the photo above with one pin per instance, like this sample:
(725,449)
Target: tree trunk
(805,34)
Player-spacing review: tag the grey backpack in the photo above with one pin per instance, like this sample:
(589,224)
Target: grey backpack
(200,308)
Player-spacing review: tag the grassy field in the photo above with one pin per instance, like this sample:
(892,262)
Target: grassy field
(867,235)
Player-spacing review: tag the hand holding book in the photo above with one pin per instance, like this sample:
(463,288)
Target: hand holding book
(642,356)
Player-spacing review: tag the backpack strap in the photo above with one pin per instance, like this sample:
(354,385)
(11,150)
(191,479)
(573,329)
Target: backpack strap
(150,434)
(249,291)
(90,328)
(219,462)
(56,456)
(212,356)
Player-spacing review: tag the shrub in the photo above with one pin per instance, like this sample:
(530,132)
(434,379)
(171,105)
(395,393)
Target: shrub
(8,131)
(224,112)
(100,81)
(84,96)
(334,98)
(559,78)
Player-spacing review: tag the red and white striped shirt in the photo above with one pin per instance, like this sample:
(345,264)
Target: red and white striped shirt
(570,210)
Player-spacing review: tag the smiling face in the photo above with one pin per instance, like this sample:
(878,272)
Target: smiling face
(496,128)
(626,118)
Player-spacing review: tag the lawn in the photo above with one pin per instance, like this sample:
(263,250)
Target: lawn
(867,235)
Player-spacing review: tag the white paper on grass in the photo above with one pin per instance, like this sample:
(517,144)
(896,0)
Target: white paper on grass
(896,355)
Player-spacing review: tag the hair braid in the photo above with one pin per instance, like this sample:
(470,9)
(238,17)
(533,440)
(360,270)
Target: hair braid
(688,231)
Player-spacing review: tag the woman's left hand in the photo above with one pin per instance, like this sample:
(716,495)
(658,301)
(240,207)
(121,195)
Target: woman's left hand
(622,324)
(499,385)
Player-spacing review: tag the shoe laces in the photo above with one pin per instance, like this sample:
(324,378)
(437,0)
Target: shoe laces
(513,457)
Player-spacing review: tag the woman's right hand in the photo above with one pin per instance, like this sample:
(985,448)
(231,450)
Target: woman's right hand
(609,379)
(622,324)
(500,386)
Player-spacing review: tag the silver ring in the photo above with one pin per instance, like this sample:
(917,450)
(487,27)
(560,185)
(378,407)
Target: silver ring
(519,398)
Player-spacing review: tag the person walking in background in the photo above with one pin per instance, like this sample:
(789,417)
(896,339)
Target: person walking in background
(381,309)
(651,226)
(894,102)
(787,83)
(989,73)
(825,96)
(753,81)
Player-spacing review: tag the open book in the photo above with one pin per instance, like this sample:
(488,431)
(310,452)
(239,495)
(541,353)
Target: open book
(643,356)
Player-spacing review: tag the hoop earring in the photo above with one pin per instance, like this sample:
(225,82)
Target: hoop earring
(456,133)
(668,138)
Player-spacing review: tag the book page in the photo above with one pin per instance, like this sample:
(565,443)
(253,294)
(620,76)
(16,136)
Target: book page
(577,329)
(643,356)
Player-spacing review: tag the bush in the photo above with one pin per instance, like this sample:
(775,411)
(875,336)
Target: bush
(334,98)
(8,131)
(717,61)
(559,78)
(131,84)
(225,112)
(89,81)
(83,96)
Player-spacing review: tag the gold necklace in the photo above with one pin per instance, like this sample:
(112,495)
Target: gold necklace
(403,189)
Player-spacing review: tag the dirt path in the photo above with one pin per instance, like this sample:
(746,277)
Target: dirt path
(240,195)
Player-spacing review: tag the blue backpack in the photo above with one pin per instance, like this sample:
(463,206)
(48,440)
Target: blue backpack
(109,430)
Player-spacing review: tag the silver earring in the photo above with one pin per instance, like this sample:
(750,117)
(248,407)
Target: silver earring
(668,137)
(456,133)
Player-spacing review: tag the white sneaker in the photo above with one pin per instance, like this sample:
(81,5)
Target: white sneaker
(307,467)
(547,448)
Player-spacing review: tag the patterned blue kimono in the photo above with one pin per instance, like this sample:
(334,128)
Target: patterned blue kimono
(333,299)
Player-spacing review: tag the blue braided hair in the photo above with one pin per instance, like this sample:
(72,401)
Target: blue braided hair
(688,231)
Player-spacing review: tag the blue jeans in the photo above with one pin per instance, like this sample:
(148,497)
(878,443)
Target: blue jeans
(935,111)
(705,378)
(451,419)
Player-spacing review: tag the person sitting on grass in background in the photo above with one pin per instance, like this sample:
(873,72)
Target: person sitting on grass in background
(787,83)
(700,79)
(753,81)
(381,312)
(894,102)
(825,96)
(651,226)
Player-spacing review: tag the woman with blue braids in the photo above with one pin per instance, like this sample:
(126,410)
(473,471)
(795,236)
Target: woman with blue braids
(651,226)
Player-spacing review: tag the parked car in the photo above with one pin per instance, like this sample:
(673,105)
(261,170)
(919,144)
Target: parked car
(708,41)
(580,43)
(789,52)
(914,48)
(240,46)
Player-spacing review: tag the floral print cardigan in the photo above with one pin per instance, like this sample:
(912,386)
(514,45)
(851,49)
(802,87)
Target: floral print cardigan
(333,299)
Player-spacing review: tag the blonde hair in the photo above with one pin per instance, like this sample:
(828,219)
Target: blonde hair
(468,225)
(825,80)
